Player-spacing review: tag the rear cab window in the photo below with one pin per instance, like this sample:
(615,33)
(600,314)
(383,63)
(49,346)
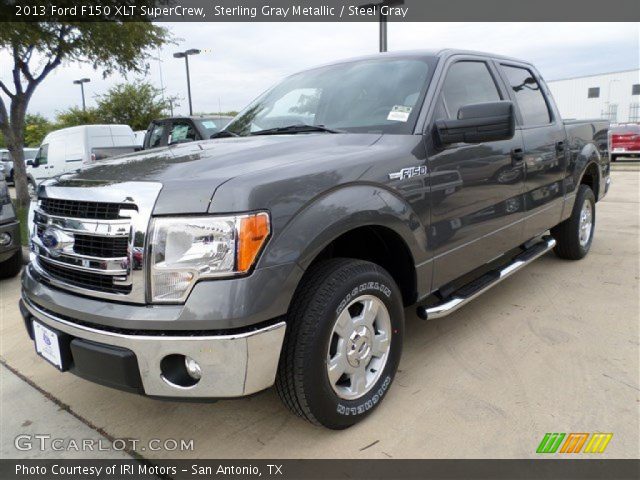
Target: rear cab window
(531,102)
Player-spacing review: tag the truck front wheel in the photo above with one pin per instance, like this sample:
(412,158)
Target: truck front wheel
(343,344)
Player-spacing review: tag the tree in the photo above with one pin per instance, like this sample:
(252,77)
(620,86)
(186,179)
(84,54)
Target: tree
(133,104)
(75,116)
(38,48)
(36,128)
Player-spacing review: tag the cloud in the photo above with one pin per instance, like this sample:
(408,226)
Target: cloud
(241,60)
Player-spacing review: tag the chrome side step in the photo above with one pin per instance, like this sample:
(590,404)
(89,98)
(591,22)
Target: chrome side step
(470,291)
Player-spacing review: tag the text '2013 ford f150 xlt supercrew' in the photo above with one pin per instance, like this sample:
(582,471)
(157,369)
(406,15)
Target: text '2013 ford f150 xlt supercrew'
(286,249)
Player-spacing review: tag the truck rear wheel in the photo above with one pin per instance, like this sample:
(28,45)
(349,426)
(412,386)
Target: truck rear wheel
(575,234)
(343,344)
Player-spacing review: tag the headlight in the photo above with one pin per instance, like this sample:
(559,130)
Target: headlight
(186,249)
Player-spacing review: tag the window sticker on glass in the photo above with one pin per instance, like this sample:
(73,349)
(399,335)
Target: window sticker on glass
(209,124)
(399,113)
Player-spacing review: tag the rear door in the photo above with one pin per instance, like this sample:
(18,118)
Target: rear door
(545,152)
(476,189)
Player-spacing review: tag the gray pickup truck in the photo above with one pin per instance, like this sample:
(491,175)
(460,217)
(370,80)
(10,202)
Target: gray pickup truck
(287,249)
(10,244)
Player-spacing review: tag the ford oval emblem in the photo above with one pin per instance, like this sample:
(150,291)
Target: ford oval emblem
(55,241)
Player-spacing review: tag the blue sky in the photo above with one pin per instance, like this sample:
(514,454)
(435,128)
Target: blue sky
(240,60)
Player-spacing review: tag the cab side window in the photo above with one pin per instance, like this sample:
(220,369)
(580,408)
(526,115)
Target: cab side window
(182,132)
(42,156)
(466,83)
(155,138)
(529,96)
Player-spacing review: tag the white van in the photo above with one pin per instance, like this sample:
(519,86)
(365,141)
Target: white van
(74,148)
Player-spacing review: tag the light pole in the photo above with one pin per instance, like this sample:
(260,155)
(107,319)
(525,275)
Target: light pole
(383,19)
(185,55)
(81,82)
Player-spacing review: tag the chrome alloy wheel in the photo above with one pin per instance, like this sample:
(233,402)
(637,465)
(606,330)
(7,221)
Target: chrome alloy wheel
(586,223)
(359,347)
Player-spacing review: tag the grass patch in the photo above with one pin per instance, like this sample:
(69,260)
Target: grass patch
(23,215)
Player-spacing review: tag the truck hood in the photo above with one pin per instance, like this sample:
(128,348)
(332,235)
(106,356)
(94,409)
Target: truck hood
(191,173)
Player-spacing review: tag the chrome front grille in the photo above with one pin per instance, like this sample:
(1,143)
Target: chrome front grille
(83,279)
(77,209)
(92,240)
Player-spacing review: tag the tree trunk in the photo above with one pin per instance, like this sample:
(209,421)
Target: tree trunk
(14,135)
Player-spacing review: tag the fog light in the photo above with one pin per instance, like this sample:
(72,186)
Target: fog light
(5,239)
(180,371)
(193,368)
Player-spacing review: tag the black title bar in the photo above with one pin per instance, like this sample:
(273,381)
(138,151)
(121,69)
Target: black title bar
(318,10)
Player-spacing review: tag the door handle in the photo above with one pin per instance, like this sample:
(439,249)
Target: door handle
(560,147)
(517,157)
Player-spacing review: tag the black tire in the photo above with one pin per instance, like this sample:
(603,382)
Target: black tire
(10,268)
(325,292)
(567,233)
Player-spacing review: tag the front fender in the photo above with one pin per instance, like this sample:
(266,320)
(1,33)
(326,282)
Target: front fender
(334,213)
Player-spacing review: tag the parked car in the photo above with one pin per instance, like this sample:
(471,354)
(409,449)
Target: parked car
(625,140)
(74,148)
(10,244)
(6,161)
(288,252)
(169,131)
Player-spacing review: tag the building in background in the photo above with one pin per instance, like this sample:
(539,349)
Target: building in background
(614,96)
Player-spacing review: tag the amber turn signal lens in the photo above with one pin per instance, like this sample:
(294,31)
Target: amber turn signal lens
(254,231)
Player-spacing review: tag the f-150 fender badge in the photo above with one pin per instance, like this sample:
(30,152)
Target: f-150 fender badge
(409,173)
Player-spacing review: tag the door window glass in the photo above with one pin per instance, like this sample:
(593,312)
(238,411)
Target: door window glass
(467,83)
(43,154)
(182,132)
(529,96)
(156,135)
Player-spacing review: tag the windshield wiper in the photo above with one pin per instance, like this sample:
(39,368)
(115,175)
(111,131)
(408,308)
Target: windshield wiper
(224,134)
(300,128)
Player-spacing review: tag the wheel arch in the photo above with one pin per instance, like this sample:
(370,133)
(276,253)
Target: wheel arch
(362,221)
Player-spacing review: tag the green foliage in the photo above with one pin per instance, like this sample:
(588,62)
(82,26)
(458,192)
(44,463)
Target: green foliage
(109,46)
(134,104)
(37,48)
(75,116)
(35,128)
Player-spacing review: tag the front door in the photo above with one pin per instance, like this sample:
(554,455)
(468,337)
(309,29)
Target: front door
(476,189)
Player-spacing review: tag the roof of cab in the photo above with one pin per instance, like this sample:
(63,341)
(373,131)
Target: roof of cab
(437,53)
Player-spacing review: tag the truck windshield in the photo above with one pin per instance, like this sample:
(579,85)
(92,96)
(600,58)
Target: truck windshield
(381,95)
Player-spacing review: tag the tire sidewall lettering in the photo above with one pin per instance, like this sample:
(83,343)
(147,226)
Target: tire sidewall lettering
(374,287)
(366,405)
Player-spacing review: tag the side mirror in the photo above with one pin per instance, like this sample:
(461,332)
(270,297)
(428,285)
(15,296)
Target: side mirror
(477,123)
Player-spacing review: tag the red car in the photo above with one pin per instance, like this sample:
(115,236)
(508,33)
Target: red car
(625,141)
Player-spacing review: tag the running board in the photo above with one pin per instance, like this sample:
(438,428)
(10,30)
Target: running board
(470,291)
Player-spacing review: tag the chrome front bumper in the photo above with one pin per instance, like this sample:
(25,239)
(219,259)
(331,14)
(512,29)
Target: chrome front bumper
(232,365)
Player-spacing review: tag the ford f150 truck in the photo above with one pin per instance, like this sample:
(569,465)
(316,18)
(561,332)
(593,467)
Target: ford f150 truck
(286,249)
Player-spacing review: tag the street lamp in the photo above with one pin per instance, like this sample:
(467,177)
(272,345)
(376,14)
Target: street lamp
(81,82)
(185,55)
(383,19)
